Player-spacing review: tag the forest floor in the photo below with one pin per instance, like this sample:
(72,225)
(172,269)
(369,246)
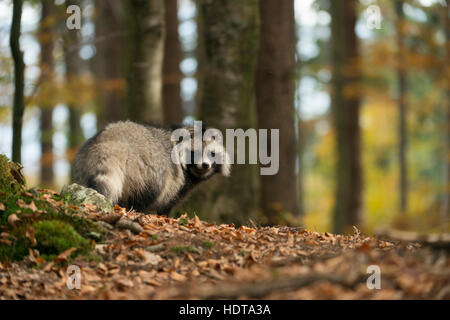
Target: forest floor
(187,258)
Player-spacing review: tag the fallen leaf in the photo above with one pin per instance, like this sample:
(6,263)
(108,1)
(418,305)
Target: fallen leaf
(30,235)
(13,219)
(197,222)
(177,277)
(65,255)
(22,204)
(48,267)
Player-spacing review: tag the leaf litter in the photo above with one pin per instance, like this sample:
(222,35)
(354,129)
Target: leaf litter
(186,258)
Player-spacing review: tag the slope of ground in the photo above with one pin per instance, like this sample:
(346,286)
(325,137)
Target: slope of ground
(187,258)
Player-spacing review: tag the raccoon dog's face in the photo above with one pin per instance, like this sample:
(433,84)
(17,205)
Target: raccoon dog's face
(207,156)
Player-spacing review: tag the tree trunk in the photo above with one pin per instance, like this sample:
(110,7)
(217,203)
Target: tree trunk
(19,68)
(46,40)
(402,108)
(109,60)
(171,96)
(145,22)
(229,39)
(346,100)
(301,145)
(445,210)
(275,91)
(74,64)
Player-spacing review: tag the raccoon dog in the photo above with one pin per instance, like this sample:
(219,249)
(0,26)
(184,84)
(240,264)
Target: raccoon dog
(133,165)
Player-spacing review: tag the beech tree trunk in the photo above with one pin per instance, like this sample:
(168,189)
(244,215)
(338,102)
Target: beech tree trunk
(445,203)
(171,95)
(402,108)
(145,50)
(345,105)
(229,33)
(109,64)
(275,93)
(46,35)
(74,66)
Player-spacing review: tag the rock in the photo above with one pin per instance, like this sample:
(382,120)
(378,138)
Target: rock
(78,195)
(12,179)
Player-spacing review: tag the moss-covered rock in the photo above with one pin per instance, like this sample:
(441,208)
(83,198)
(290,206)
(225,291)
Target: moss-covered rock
(39,219)
(77,195)
(11,176)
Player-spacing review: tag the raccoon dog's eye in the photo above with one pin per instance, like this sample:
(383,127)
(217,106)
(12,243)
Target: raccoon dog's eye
(213,154)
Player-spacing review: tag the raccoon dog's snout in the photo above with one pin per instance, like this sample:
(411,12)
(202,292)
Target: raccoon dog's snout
(131,165)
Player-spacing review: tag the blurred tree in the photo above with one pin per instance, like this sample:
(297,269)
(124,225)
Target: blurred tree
(402,108)
(109,66)
(145,50)
(74,67)
(445,209)
(301,146)
(229,33)
(47,66)
(19,68)
(275,80)
(345,105)
(171,95)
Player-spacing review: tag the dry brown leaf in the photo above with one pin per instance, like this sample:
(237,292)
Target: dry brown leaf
(6,242)
(64,256)
(13,219)
(197,222)
(30,235)
(177,277)
(48,267)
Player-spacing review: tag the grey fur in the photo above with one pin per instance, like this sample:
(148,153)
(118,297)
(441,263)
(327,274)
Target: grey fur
(131,165)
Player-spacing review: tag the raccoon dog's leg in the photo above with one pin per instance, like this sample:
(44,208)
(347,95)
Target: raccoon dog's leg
(109,184)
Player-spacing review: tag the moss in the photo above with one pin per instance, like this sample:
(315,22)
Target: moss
(16,250)
(54,236)
(244,253)
(183,221)
(208,245)
(182,249)
(57,226)
(11,176)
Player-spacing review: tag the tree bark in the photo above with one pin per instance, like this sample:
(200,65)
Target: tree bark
(171,96)
(46,34)
(445,210)
(145,22)
(402,108)
(229,34)
(109,63)
(275,91)
(74,65)
(301,145)
(19,68)
(346,101)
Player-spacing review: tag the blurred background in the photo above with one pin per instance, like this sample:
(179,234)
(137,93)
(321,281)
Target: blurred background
(359,90)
